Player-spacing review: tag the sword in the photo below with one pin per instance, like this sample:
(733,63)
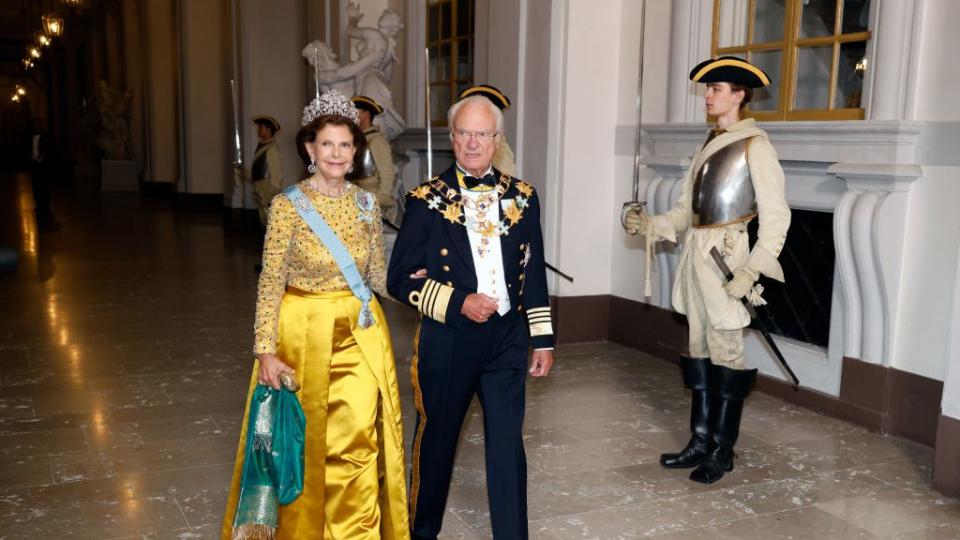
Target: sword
(761,321)
(634,203)
(237,148)
(426,73)
(238,152)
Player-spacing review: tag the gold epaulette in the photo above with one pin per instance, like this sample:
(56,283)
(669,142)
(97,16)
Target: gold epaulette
(432,300)
(540,321)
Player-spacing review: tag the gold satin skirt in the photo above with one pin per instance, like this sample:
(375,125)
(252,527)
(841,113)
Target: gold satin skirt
(353,464)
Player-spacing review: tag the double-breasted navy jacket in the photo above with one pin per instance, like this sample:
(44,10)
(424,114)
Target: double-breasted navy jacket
(434,236)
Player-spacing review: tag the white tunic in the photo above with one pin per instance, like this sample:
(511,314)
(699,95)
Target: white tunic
(723,311)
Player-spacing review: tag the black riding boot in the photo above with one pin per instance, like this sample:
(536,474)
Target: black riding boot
(696,377)
(730,388)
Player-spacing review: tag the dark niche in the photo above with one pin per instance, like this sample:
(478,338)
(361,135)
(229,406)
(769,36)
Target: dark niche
(800,308)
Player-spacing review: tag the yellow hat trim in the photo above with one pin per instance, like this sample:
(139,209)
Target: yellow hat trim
(267,118)
(735,63)
(478,89)
(371,102)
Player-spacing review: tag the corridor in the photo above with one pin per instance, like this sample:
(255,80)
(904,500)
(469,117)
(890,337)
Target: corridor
(125,340)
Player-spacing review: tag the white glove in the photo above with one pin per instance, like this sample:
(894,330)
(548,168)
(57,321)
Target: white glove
(742,282)
(636,220)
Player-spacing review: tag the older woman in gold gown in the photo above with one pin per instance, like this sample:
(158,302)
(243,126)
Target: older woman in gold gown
(307,323)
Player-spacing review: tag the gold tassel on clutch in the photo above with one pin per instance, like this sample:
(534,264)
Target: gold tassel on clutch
(254,531)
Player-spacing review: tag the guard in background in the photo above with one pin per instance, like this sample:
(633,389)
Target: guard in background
(266,171)
(379,175)
(504,160)
(734,177)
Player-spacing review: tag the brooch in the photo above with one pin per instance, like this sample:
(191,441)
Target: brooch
(366,202)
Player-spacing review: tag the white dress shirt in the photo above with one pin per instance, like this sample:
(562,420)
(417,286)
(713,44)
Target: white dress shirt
(486,252)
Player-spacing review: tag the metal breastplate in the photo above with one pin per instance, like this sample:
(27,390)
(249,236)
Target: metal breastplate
(259,170)
(722,190)
(367,167)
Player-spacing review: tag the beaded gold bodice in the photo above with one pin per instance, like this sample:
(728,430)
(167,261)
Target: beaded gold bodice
(294,257)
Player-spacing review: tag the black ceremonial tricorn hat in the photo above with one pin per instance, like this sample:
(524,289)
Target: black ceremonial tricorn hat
(367,104)
(490,92)
(268,121)
(730,69)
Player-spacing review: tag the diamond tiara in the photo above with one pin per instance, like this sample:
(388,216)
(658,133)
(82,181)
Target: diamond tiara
(330,103)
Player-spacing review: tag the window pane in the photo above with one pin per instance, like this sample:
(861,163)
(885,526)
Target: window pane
(768,21)
(819,18)
(733,22)
(445,22)
(465,59)
(440,62)
(767,99)
(433,23)
(439,103)
(851,69)
(813,77)
(856,14)
(464,22)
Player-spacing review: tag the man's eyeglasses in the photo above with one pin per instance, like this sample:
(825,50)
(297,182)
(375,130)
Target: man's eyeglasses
(482,136)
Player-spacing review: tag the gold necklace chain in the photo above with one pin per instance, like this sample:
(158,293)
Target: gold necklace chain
(318,189)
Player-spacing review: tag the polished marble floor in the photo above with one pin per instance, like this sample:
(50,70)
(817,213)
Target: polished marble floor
(124,343)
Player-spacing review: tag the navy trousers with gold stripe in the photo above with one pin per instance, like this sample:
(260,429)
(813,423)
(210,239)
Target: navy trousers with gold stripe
(451,365)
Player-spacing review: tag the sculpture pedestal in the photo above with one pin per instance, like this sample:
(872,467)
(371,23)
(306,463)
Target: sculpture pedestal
(119,175)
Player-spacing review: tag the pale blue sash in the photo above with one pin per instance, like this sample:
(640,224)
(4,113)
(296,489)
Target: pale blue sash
(348,267)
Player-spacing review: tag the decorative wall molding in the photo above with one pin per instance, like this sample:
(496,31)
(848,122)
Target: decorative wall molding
(870,259)
(829,142)
(895,25)
(691,25)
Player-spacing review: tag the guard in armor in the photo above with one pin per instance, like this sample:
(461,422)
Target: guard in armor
(504,160)
(469,258)
(266,171)
(379,173)
(734,177)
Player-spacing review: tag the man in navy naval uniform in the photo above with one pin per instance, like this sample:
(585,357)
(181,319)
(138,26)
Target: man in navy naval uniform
(469,257)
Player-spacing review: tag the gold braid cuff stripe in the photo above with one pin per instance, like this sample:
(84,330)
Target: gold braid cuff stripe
(434,300)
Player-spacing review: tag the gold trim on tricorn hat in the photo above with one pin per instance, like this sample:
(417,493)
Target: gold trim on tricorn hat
(367,104)
(268,121)
(730,69)
(490,92)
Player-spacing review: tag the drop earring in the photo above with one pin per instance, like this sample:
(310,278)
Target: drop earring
(312,167)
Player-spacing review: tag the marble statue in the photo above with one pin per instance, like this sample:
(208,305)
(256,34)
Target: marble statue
(368,75)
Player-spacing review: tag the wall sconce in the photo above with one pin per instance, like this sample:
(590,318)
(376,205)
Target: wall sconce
(861,66)
(15,98)
(33,52)
(41,39)
(52,24)
(21,91)
(27,63)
